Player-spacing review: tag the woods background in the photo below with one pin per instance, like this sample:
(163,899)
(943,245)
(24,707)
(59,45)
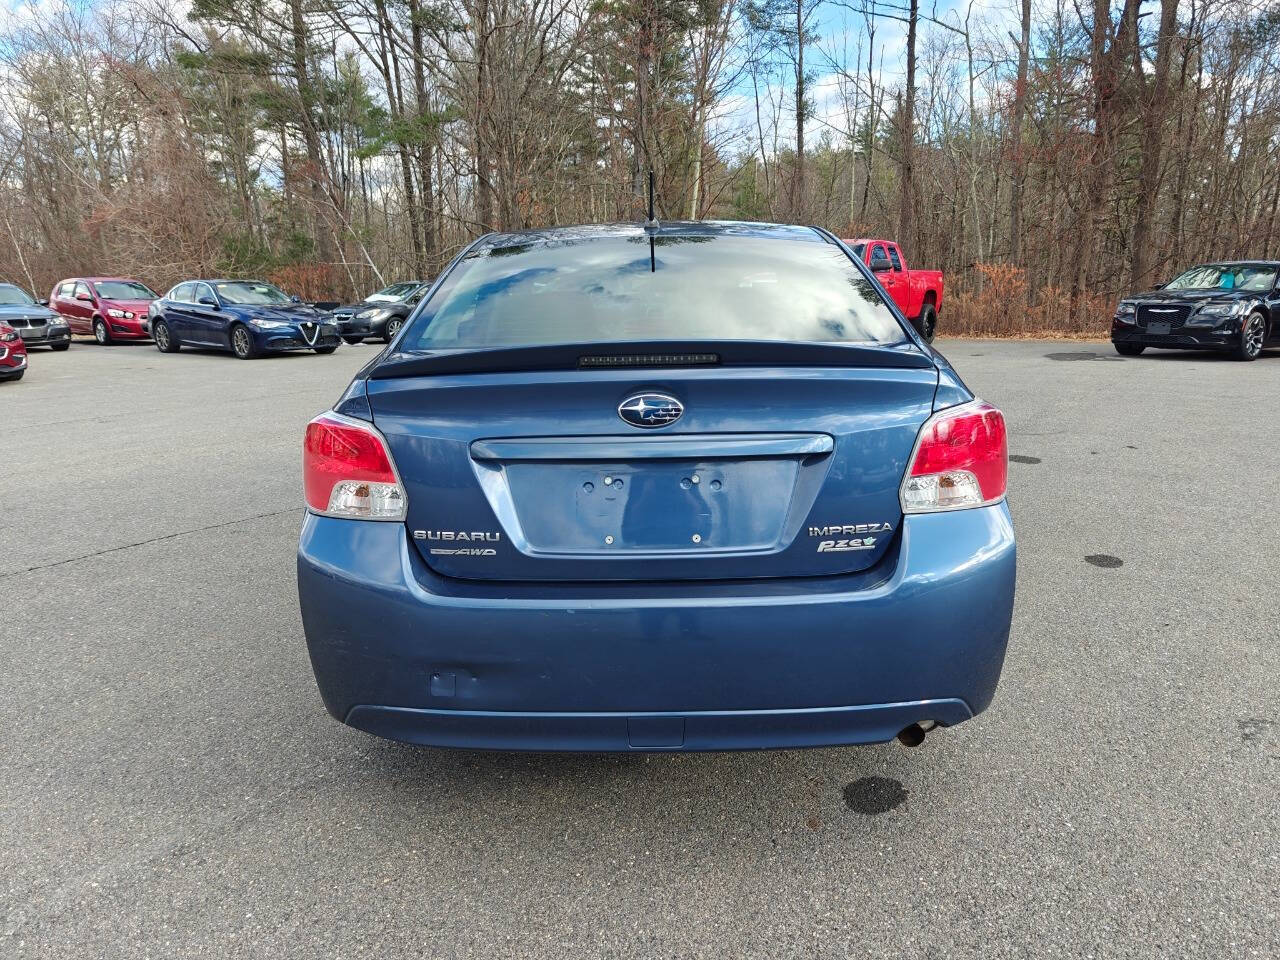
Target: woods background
(1049,156)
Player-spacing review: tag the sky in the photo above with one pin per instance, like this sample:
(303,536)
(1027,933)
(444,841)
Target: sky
(842,37)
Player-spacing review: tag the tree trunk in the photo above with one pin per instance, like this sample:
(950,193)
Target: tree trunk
(315,160)
(1019,116)
(480,137)
(700,128)
(395,106)
(907,132)
(1104,58)
(423,148)
(642,161)
(873,115)
(797,182)
(1153,122)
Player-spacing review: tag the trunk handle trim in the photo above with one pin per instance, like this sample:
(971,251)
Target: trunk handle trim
(700,446)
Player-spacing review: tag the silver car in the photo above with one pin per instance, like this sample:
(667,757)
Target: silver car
(36,323)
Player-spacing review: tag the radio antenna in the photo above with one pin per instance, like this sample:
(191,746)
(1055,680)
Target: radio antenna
(651,227)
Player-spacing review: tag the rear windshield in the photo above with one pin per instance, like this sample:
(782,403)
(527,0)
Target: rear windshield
(697,287)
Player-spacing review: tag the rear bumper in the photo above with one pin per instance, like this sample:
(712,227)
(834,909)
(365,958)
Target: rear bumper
(403,653)
(608,732)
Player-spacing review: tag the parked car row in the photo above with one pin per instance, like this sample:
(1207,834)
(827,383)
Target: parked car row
(249,318)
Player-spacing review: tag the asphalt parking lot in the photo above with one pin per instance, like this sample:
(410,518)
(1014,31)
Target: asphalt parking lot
(171,785)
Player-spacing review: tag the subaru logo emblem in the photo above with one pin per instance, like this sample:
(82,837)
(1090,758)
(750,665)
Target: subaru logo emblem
(650,410)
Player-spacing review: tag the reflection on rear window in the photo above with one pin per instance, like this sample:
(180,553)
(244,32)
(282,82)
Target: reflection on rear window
(603,288)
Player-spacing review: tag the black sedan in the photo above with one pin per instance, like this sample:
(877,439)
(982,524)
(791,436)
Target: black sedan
(1233,306)
(35,323)
(380,314)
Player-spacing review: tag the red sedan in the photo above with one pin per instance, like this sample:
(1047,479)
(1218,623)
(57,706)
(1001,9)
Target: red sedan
(110,308)
(13,353)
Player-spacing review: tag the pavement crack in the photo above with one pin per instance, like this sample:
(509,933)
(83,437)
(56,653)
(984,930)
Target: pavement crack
(143,543)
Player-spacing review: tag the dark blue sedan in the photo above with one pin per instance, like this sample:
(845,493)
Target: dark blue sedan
(247,317)
(680,487)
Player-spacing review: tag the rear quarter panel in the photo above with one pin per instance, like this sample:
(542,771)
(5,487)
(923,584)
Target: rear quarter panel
(930,280)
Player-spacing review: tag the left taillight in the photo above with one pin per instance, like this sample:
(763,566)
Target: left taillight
(960,461)
(347,471)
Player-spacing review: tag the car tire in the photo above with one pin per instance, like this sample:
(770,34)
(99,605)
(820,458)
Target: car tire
(101,332)
(391,329)
(60,346)
(352,341)
(927,323)
(1129,349)
(325,351)
(14,378)
(242,344)
(1253,334)
(164,339)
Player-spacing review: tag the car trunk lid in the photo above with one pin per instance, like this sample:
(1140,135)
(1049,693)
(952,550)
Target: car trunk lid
(771,471)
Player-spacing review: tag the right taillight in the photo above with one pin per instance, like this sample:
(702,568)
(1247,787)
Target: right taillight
(960,460)
(347,471)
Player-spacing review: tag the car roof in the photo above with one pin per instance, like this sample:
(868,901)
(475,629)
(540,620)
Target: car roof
(1237,263)
(102,279)
(674,228)
(222,280)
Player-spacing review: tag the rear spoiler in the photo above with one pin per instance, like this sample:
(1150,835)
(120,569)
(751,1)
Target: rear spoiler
(649,354)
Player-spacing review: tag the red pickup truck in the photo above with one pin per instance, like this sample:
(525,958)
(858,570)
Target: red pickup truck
(918,293)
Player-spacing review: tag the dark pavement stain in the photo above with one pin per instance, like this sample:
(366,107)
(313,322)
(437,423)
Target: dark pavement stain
(1104,560)
(874,795)
(1255,729)
(1130,446)
(1081,356)
(1018,458)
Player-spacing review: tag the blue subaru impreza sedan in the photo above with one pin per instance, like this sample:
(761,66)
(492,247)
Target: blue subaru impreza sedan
(666,487)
